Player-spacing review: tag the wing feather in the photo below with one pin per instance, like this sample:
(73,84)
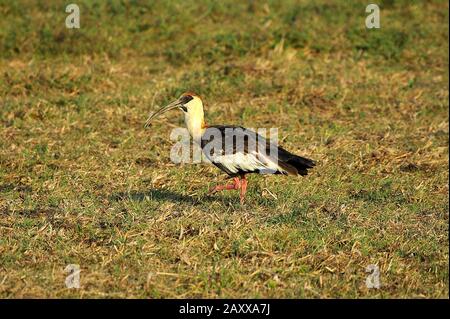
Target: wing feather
(237,150)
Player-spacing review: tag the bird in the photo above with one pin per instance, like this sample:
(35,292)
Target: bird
(235,150)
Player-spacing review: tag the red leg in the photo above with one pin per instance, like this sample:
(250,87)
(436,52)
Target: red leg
(235,185)
(243,188)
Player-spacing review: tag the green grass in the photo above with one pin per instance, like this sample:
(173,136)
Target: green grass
(82,182)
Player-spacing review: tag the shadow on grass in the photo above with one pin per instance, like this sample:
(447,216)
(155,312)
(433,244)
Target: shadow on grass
(158,195)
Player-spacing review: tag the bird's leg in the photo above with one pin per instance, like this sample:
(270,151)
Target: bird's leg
(243,187)
(235,185)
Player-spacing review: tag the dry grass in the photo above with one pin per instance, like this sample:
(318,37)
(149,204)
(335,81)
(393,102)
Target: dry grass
(82,182)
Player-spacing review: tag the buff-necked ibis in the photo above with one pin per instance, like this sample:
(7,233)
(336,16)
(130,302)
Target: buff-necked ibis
(235,150)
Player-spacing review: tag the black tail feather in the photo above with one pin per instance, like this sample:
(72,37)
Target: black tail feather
(301,164)
(291,161)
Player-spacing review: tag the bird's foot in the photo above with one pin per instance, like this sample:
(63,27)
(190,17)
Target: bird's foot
(237,184)
(218,188)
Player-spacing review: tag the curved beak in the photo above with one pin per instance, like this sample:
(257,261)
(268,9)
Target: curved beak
(162,110)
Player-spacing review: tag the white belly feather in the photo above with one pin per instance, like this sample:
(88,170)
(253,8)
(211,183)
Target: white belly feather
(245,162)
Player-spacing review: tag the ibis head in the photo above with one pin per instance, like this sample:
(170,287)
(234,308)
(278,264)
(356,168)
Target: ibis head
(192,106)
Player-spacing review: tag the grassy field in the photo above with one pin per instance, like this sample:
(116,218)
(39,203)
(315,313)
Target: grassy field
(82,182)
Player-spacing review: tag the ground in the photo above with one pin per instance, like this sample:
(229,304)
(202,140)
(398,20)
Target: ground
(82,182)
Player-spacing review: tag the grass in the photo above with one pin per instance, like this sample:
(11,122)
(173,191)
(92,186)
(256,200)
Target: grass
(82,182)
